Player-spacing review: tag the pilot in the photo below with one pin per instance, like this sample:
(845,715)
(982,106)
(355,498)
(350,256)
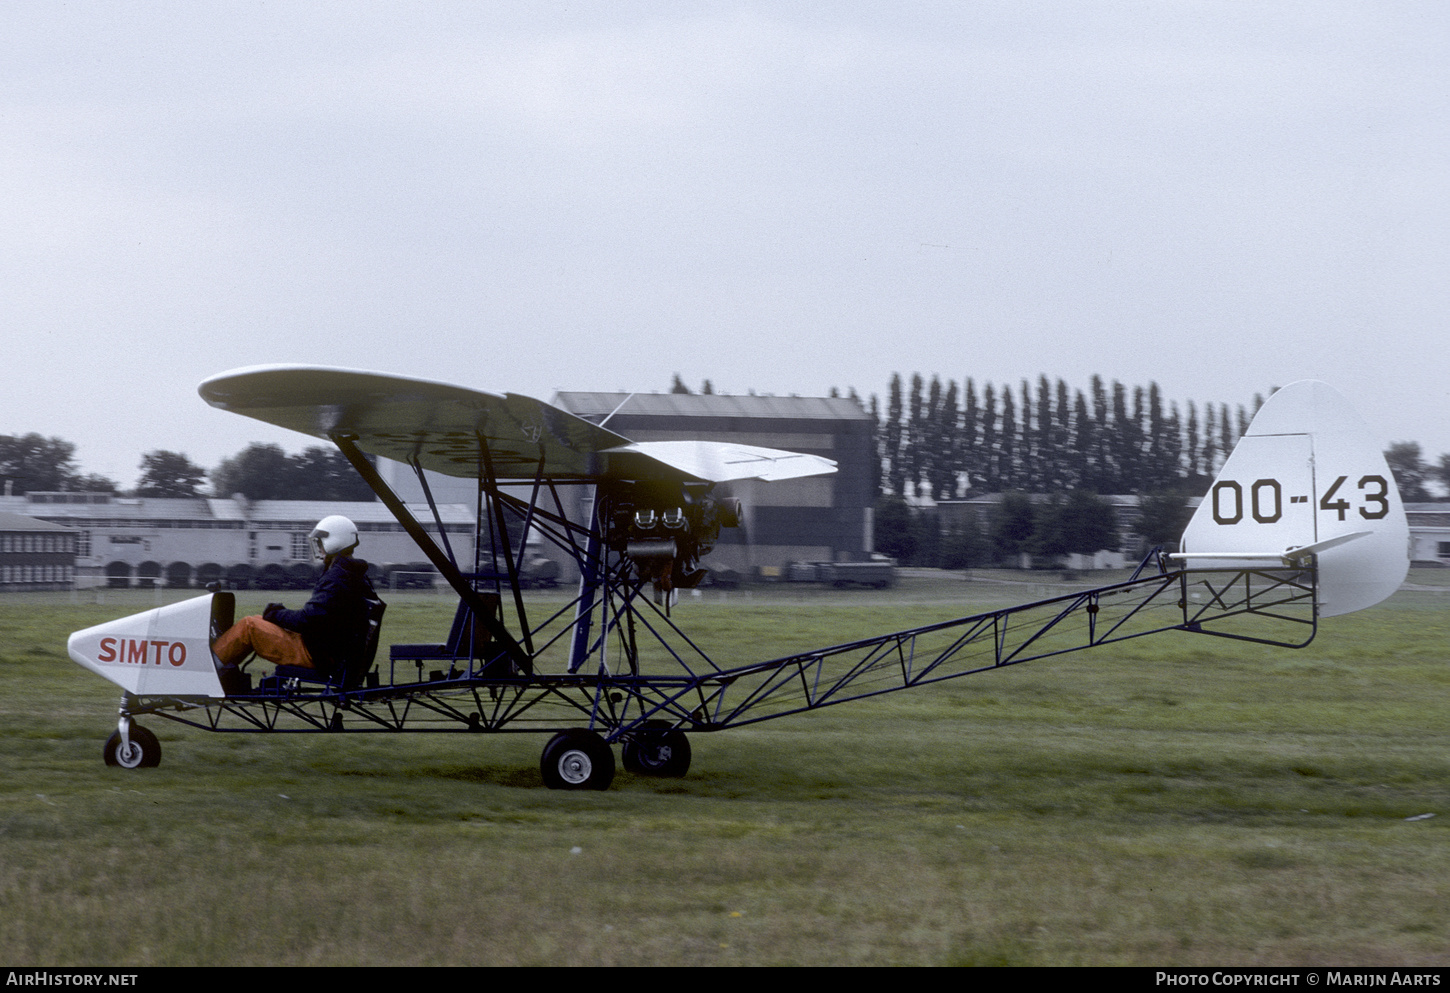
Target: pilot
(328,629)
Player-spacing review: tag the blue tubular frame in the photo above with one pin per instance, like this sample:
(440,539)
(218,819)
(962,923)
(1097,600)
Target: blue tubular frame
(676,685)
(700,695)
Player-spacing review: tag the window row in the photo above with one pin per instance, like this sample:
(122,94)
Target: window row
(12,574)
(37,543)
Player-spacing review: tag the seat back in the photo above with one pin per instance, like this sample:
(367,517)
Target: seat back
(354,669)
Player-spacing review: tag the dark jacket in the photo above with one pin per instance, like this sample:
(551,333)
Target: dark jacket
(334,623)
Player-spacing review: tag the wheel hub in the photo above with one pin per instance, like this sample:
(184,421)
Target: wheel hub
(575,767)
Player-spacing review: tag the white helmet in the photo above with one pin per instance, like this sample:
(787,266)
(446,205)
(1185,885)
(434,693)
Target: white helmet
(332,535)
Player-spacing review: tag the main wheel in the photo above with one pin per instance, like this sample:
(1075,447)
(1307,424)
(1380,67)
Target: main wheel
(144,753)
(658,753)
(577,760)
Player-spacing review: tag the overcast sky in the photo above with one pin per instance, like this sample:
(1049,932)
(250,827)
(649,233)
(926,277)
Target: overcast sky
(1220,197)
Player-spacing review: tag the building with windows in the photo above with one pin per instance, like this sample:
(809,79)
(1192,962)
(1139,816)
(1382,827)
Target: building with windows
(1429,533)
(35,554)
(184,543)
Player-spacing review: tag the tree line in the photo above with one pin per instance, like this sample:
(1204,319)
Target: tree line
(940,440)
(936,440)
(32,463)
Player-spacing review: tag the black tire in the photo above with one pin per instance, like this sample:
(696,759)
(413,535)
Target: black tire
(577,760)
(145,751)
(664,754)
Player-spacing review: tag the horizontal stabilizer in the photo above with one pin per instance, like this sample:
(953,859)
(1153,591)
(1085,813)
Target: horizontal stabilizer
(1288,557)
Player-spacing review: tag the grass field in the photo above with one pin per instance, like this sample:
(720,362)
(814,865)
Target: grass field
(1173,800)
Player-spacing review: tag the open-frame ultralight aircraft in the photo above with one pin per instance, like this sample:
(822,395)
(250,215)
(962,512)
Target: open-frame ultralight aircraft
(1303,521)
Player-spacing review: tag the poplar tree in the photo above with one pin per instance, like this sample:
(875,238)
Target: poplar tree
(915,429)
(1208,457)
(878,480)
(1102,470)
(1172,454)
(1155,462)
(1082,471)
(933,440)
(1007,466)
(968,453)
(1121,440)
(1191,451)
(949,438)
(1061,440)
(1047,453)
(991,461)
(891,439)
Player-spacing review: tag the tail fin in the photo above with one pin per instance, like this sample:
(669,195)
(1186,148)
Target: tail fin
(1307,478)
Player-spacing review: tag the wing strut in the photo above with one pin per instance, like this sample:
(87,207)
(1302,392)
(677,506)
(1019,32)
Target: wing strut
(490,485)
(481,611)
(433,506)
(592,573)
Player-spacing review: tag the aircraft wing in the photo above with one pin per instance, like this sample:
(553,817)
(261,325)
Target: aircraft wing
(444,427)
(715,461)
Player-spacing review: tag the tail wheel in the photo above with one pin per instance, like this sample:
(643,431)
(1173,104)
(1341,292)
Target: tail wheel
(144,751)
(665,754)
(577,760)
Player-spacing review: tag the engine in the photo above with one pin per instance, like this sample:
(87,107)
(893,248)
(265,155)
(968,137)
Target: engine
(665,529)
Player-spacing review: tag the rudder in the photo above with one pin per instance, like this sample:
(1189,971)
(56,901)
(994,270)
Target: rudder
(1307,477)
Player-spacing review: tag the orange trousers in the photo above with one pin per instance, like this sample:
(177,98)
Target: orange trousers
(273,643)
